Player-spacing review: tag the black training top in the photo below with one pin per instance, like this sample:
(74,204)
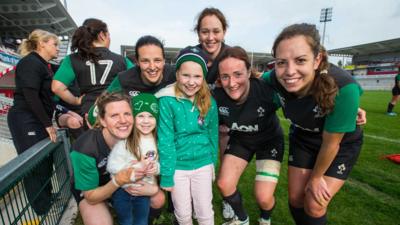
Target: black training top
(212,73)
(131,82)
(89,160)
(308,122)
(254,121)
(33,72)
(92,78)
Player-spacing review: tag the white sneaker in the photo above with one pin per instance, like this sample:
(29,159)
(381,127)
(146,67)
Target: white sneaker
(262,221)
(227,211)
(236,221)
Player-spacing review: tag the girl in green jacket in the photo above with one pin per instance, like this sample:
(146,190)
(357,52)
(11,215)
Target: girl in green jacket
(187,139)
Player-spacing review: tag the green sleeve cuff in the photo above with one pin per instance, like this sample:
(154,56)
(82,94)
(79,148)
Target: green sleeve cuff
(167,181)
(343,117)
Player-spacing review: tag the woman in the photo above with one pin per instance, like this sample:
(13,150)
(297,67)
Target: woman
(93,65)
(247,110)
(148,76)
(211,29)
(92,187)
(188,138)
(395,95)
(321,101)
(30,118)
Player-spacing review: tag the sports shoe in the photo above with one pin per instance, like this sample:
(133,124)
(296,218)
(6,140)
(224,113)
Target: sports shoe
(262,221)
(227,211)
(391,114)
(236,221)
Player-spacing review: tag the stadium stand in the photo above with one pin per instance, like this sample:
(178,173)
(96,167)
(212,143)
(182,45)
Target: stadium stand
(374,65)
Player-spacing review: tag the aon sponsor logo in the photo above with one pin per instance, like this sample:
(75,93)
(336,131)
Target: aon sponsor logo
(244,128)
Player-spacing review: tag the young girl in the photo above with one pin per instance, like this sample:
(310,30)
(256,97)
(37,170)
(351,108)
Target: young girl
(139,150)
(188,138)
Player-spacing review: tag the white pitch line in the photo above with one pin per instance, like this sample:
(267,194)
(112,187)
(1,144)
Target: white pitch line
(367,135)
(382,138)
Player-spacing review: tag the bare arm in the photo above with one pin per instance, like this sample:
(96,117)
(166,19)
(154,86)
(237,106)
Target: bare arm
(104,192)
(62,91)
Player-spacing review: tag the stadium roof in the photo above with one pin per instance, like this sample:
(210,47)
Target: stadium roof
(19,17)
(374,48)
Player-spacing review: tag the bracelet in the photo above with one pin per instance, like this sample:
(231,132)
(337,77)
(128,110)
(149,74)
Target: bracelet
(114,181)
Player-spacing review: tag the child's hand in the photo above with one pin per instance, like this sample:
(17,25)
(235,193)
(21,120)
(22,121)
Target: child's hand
(152,168)
(170,189)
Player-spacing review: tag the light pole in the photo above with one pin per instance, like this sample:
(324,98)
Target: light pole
(326,16)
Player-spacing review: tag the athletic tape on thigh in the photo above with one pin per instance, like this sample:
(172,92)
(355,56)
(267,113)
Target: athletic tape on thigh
(267,170)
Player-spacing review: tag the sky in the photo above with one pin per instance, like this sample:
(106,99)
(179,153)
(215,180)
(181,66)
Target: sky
(253,25)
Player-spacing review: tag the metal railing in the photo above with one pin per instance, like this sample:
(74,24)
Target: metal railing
(35,186)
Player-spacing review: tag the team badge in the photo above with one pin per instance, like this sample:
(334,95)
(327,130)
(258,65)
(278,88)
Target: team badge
(223,110)
(318,112)
(260,111)
(274,152)
(134,93)
(341,169)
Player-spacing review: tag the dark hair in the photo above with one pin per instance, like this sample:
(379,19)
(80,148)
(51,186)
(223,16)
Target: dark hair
(324,88)
(106,98)
(148,40)
(85,35)
(211,12)
(238,52)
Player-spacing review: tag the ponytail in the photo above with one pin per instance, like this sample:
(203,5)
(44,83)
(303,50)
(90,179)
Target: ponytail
(85,35)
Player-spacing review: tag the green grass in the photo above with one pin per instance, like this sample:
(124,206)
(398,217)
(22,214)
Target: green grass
(372,193)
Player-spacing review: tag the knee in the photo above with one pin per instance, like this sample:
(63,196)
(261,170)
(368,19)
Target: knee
(225,186)
(266,201)
(296,201)
(313,209)
(157,201)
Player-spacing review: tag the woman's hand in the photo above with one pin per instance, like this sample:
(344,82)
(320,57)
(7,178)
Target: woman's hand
(145,189)
(319,190)
(124,176)
(361,117)
(52,132)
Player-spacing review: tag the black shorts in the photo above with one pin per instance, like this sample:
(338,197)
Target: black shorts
(78,195)
(271,149)
(304,157)
(396,91)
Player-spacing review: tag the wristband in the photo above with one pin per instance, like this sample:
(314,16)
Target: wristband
(114,181)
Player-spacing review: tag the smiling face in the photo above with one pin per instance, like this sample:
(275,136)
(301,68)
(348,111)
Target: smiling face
(296,64)
(151,62)
(118,121)
(189,79)
(145,123)
(234,78)
(211,35)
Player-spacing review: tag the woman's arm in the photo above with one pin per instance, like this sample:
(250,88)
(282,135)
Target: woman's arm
(62,91)
(104,192)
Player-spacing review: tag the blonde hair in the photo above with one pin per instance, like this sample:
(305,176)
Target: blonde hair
(31,44)
(202,98)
